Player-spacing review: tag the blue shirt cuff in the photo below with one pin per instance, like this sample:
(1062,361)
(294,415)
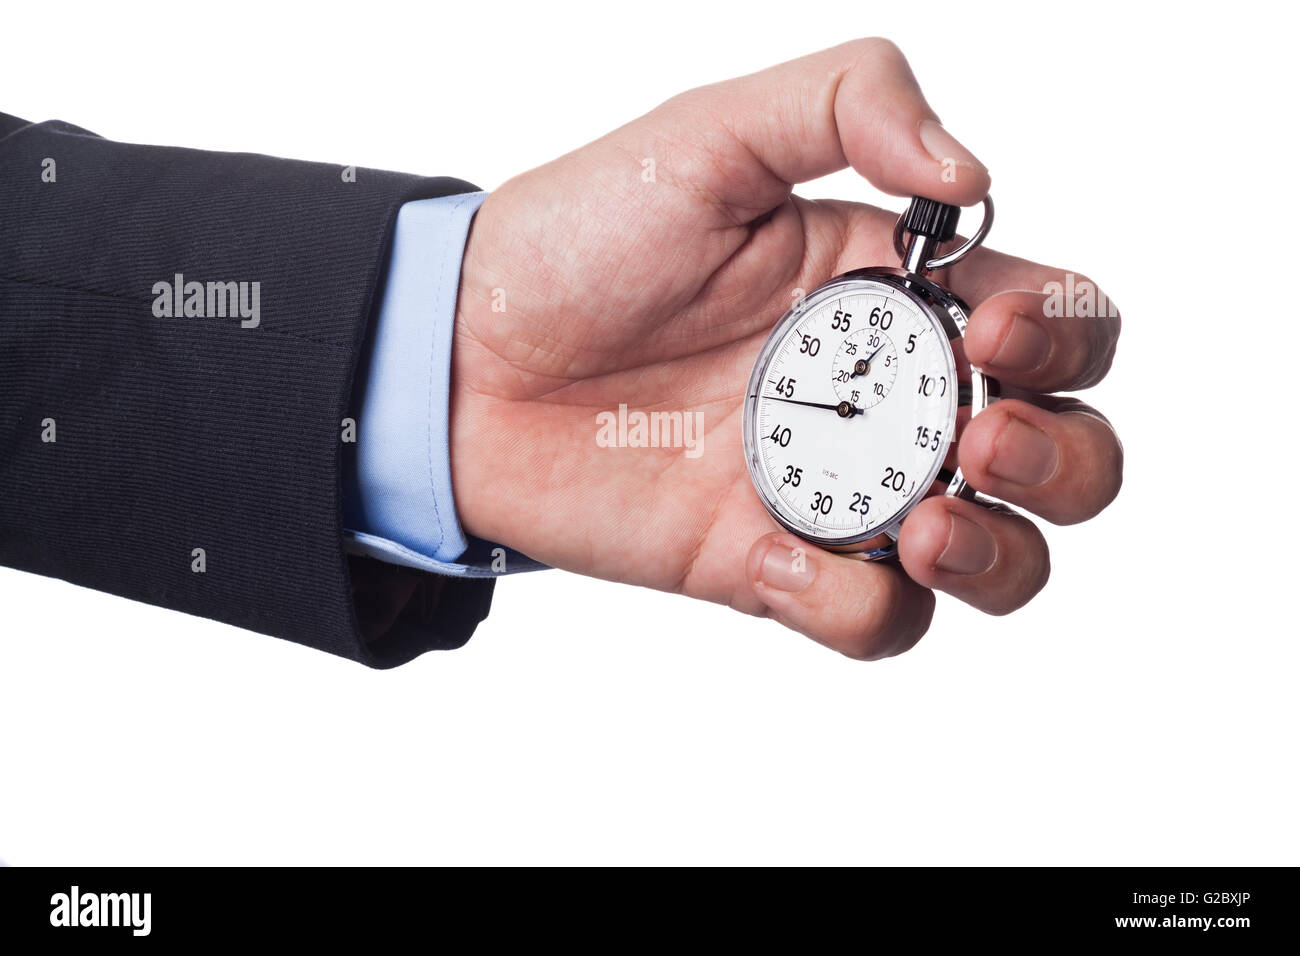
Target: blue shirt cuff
(398,500)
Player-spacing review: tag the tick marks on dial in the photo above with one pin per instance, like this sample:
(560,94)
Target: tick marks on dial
(868,343)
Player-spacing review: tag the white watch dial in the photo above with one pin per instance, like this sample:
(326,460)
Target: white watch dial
(850,412)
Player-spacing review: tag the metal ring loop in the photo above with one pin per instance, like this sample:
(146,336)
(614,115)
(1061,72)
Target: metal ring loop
(957,254)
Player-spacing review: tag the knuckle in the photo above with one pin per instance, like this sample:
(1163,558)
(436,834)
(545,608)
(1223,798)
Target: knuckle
(1103,338)
(1077,356)
(1034,571)
(1101,473)
(880,48)
(860,652)
(697,97)
(1091,357)
(1044,574)
(875,631)
(1094,334)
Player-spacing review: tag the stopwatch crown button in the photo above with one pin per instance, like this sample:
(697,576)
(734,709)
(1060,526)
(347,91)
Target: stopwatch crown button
(936,220)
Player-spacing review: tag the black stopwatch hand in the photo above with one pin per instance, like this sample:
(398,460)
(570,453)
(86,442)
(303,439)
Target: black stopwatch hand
(865,364)
(844,409)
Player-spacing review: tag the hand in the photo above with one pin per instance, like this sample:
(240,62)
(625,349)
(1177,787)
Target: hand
(647,268)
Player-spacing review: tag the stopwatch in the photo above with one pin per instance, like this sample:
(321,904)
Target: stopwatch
(852,409)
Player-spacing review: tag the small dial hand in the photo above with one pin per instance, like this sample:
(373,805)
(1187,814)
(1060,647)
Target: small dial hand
(843,409)
(861,366)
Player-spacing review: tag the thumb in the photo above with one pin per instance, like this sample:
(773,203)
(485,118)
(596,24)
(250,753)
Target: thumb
(863,609)
(857,105)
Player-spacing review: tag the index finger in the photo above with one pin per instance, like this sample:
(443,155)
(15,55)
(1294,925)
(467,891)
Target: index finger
(1035,326)
(1058,340)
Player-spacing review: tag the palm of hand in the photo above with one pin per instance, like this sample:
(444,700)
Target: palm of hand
(642,293)
(645,270)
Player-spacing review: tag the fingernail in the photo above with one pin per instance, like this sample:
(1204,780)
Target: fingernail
(1025,347)
(1024,454)
(787,569)
(944,148)
(970,549)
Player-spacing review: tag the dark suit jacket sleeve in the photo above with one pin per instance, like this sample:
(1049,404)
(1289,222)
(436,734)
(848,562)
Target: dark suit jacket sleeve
(177,434)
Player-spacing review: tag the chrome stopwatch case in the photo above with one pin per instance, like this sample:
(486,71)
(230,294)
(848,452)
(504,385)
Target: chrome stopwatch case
(852,410)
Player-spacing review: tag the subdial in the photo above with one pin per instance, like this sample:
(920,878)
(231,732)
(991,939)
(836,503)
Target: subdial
(865,367)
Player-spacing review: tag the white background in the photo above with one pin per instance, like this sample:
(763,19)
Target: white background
(1142,710)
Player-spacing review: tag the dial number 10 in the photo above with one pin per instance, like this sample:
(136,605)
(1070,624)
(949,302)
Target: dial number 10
(930,385)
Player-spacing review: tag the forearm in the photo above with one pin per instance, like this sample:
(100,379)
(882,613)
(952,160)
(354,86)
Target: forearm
(192,457)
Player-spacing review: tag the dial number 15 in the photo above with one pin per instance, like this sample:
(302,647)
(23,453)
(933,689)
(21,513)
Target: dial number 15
(925,439)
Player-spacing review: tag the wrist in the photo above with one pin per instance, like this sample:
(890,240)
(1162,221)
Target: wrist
(471,478)
(474,479)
